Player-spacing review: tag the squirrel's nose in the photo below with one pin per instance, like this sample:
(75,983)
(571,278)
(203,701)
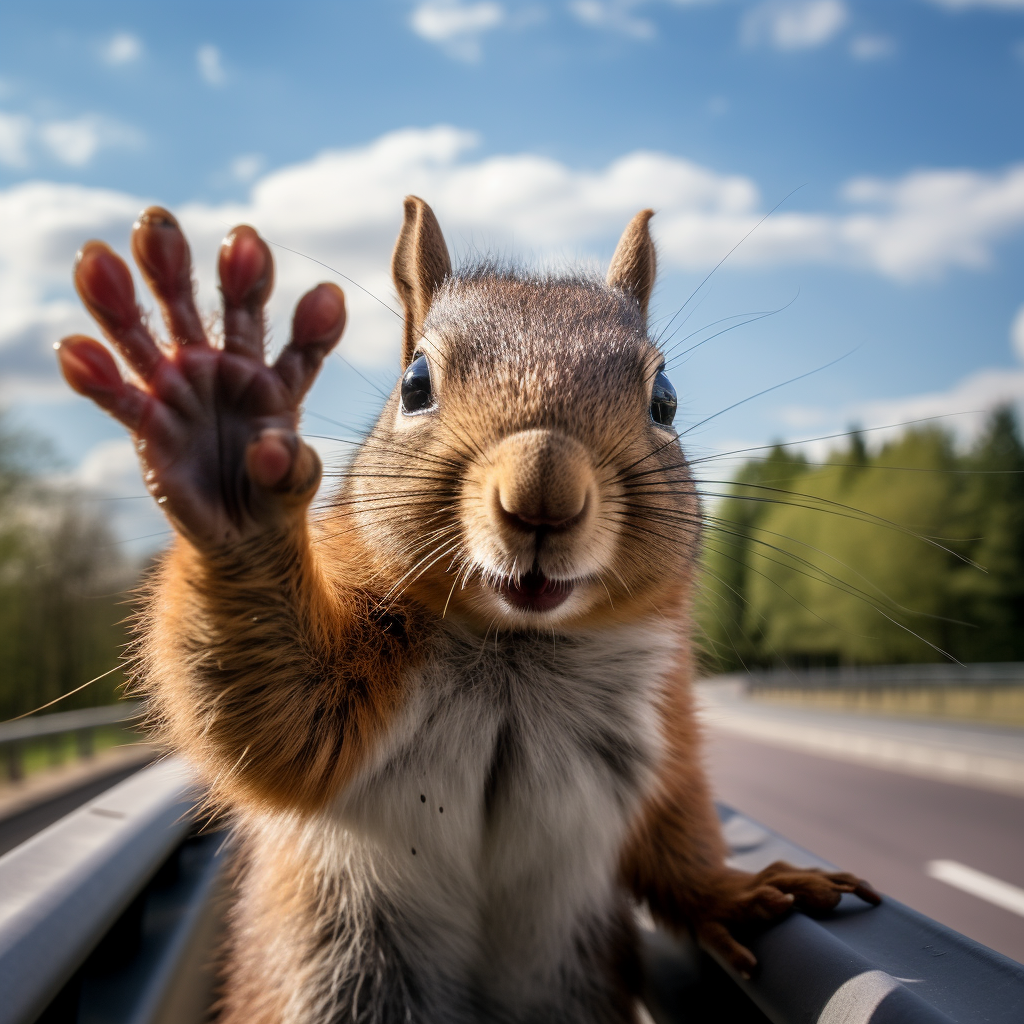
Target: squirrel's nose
(548,520)
(541,480)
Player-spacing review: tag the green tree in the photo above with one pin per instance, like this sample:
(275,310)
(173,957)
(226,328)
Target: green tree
(62,582)
(872,558)
(992,600)
(731,633)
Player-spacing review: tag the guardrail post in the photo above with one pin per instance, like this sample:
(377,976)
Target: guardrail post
(85,742)
(12,753)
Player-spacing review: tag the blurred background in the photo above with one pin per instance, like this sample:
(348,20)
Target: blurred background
(839,187)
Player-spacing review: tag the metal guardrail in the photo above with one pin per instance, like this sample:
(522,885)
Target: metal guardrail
(883,965)
(111,914)
(1008,673)
(64,889)
(13,735)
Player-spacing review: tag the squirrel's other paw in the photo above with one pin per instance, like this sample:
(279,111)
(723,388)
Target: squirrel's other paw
(815,891)
(748,903)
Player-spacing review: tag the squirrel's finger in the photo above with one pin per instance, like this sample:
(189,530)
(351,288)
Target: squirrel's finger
(767,903)
(279,460)
(104,284)
(246,271)
(90,369)
(316,327)
(715,937)
(162,254)
(867,892)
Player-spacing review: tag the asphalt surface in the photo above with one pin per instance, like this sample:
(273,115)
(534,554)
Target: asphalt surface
(18,827)
(885,826)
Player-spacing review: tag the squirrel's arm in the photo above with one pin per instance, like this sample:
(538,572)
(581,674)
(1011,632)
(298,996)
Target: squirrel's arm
(272,675)
(674,859)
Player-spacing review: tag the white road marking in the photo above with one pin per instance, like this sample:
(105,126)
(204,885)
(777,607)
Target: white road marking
(977,883)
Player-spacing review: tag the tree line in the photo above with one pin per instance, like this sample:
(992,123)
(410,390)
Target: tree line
(911,553)
(63,587)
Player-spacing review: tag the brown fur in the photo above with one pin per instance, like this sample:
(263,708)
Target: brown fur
(272,668)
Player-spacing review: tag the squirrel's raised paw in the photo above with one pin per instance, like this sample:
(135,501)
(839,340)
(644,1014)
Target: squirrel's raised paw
(214,424)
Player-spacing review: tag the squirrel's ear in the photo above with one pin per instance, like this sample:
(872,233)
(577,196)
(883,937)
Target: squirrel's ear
(634,263)
(419,265)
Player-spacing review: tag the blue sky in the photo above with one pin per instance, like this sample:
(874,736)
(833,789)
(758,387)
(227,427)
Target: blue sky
(539,128)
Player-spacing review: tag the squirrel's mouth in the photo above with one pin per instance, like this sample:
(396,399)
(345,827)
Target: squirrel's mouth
(534,592)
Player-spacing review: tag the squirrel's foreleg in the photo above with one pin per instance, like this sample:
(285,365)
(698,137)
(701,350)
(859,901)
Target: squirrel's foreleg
(270,674)
(675,859)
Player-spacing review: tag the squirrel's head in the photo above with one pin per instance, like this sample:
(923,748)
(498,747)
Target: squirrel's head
(525,472)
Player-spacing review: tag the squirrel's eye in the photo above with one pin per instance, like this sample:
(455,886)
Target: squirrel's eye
(416,393)
(663,400)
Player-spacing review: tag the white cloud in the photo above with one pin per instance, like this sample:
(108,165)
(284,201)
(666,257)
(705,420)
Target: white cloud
(621,15)
(211,68)
(73,142)
(41,227)
(245,167)
(343,208)
(110,462)
(614,15)
(793,24)
(76,142)
(15,130)
(122,48)
(867,47)
(455,26)
(964,408)
(927,221)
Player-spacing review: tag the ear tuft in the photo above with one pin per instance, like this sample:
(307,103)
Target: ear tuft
(634,264)
(419,265)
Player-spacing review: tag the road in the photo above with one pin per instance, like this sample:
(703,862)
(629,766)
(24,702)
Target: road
(885,825)
(23,822)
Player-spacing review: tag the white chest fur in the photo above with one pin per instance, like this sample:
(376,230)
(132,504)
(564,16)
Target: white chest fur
(492,819)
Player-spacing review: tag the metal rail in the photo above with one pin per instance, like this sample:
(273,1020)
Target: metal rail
(883,965)
(13,735)
(111,916)
(64,889)
(869,677)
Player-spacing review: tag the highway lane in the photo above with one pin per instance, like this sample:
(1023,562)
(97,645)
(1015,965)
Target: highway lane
(43,809)
(884,825)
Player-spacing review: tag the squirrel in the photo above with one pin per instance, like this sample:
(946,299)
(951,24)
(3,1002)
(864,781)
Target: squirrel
(450,714)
